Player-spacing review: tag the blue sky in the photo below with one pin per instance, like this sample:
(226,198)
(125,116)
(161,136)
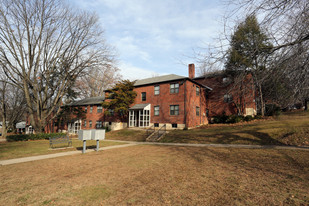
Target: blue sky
(156,37)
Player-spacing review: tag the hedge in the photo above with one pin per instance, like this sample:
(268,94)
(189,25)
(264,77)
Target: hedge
(26,137)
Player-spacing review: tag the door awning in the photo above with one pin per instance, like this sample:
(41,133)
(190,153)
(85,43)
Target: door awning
(139,106)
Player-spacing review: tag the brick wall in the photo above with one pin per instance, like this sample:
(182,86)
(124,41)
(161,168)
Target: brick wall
(185,98)
(242,93)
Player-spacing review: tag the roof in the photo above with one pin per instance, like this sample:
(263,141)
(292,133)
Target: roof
(158,79)
(166,78)
(89,101)
(21,125)
(211,74)
(139,106)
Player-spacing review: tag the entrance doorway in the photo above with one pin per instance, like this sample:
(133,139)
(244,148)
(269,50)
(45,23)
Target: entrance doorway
(139,115)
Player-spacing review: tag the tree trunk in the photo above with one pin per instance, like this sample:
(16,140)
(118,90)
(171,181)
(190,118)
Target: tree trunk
(306,104)
(262,105)
(4,129)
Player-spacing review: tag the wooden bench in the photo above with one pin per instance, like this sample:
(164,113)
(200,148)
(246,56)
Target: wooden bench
(60,140)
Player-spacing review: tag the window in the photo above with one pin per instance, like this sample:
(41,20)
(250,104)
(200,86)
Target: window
(207,112)
(109,95)
(156,124)
(90,124)
(109,123)
(85,123)
(99,124)
(91,108)
(228,98)
(99,109)
(225,79)
(174,110)
(156,90)
(197,91)
(143,96)
(174,125)
(174,88)
(197,111)
(111,112)
(156,110)
(86,109)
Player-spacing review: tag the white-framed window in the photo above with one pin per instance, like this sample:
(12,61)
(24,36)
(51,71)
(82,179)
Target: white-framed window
(157,90)
(99,124)
(156,110)
(174,88)
(197,91)
(90,124)
(111,112)
(197,111)
(228,98)
(99,109)
(85,123)
(91,108)
(86,109)
(174,109)
(143,96)
(225,79)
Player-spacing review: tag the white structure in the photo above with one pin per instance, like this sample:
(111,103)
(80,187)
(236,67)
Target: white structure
(139,115)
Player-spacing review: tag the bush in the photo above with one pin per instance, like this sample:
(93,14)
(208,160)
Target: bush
(26,137)
(234,119)
(272,110)
(220,119)
(248,118)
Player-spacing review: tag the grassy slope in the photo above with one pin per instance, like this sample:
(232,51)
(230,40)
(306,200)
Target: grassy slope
(161,175)
(127,134)
(10,150)
(287,129)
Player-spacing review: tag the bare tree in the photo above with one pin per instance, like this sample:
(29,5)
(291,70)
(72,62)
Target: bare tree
(95,80)
(12,105)
(286,24)
(44,47)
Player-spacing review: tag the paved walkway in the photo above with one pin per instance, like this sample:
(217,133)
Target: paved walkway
(60,154)
(132,143)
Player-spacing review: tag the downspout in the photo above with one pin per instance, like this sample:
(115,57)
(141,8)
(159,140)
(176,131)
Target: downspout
(185,95)
(201,105)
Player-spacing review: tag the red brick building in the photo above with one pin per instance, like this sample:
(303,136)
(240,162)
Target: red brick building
(229,96)
(176,101)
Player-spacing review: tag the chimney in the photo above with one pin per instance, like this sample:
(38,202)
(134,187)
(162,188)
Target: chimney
(191,71)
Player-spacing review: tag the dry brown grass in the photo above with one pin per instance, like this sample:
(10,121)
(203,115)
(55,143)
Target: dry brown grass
(287,129)
(161,175)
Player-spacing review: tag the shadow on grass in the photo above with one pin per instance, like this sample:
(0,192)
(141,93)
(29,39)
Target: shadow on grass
(87,147)
(251,137)
(286,164)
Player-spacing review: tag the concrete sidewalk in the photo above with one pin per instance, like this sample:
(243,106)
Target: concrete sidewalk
(60,154)
(132,143)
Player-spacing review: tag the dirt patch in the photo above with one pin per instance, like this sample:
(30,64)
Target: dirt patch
(161,175)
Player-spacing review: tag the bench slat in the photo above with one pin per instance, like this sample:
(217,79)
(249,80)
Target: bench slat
(59,140)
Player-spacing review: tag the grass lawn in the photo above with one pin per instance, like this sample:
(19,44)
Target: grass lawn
(10,150)
(161,175)
(127,134)
(287,129)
